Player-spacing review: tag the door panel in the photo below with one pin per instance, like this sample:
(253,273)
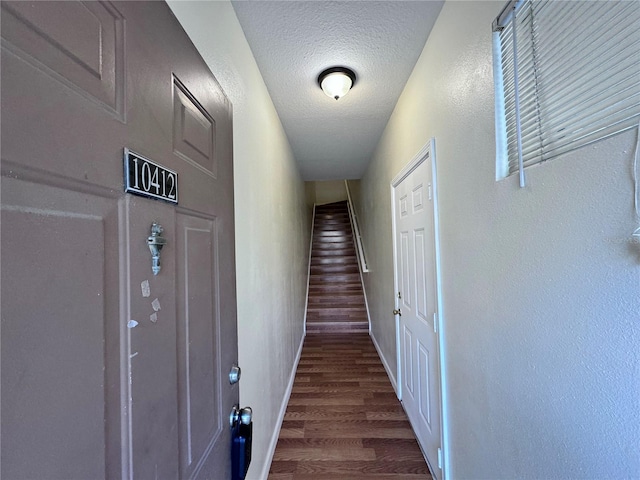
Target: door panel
(152,351)
(420,274)
(201,412)
(424,380)
(110,370)
(53,377)
(194,130)
(405,262)
(408,360)
(79,44)
(415,260)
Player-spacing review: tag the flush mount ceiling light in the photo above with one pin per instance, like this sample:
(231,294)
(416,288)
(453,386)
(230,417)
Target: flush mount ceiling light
(336,82)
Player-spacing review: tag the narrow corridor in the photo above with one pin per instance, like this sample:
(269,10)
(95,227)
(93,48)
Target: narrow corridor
(343,420)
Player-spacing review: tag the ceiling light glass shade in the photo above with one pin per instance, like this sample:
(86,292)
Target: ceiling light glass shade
(336,85)
(337,81)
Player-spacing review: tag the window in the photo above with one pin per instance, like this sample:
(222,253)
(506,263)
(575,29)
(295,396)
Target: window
(567,73)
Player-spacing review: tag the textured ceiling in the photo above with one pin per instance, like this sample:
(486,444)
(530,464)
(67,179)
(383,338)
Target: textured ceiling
(293,41)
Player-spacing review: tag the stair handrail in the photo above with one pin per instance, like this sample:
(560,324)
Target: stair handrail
(356,232)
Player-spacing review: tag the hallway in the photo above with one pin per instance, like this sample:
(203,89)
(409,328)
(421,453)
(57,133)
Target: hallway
(161,166)
(343,419)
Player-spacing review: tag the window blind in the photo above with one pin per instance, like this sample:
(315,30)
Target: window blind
(572,68)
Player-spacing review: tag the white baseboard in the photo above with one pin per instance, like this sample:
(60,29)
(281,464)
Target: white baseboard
(283,408)
(392,377)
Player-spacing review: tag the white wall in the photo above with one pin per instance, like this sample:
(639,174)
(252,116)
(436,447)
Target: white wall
(541,286)
(272,219)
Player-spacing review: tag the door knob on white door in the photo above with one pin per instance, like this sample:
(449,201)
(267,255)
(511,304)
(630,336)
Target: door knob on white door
(397,312)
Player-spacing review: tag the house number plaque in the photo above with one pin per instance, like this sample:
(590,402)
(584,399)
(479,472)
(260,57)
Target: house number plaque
(149,179)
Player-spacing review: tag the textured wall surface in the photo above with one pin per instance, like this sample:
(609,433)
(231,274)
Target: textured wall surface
(541,286)
(273,222)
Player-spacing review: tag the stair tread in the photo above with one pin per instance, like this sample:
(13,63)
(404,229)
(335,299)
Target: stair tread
(330,303)
(338,293)
(325,245)
(333,327)
(347,308)
(321,279)
(343,289)
(334,251)
(352,285)
(337,262)
(335,318)
(334,269)
(335,276)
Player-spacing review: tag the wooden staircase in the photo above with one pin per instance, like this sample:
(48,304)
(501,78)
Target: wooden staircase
(336,299)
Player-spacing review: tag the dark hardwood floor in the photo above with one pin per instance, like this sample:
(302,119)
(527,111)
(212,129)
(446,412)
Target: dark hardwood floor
(343,420)
(336,300)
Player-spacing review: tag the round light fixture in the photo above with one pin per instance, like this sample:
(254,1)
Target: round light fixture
(336,82)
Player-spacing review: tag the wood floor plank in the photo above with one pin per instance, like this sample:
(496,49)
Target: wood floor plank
(344,421)
(281,476)
(394,415)
(325,415)
(324,442)
(349,468)
(344,400)
(358,431)
(338,388)
(311,454)
(353,476)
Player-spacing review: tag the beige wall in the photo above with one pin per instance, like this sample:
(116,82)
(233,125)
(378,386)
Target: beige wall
(272,219)
(310,193)
(328,191)
(541,299)
(356,195)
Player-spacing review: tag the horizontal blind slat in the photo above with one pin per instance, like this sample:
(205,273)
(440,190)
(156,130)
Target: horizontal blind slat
(579,75)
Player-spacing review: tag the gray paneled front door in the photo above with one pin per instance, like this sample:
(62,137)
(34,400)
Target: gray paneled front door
(107,369)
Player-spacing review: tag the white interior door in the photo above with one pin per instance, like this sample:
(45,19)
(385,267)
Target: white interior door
(416,281)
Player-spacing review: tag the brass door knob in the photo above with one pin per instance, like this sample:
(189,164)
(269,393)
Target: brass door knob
(397,312)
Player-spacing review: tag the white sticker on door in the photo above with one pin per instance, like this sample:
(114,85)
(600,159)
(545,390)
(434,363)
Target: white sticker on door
(156,304)
(146,289)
